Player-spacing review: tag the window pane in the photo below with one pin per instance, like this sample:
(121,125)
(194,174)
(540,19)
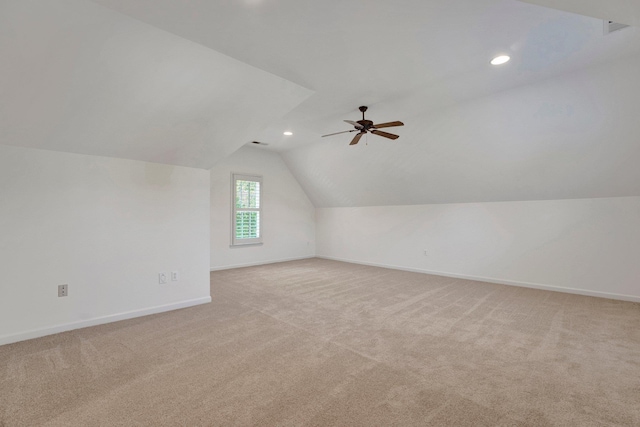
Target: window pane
(247,194)
(247,225)
(246,209)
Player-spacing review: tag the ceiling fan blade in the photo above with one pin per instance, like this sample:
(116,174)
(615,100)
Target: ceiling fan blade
(385,134)
(356,124)
(357,138)
(388,125)
(338,133)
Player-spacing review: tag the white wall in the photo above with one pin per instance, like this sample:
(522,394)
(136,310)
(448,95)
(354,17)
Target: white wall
(105,227)
(288,217)
(587,246)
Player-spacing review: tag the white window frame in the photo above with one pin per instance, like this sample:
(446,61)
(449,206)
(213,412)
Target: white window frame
(234,210)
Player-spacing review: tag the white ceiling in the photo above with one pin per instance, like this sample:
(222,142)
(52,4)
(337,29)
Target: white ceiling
(155,80)
(573,136)
(623,11)
(400,58)
(81,78)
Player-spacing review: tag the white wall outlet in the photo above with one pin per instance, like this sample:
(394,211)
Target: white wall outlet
(425,252)
(162,278)
(175,276)
(63,290)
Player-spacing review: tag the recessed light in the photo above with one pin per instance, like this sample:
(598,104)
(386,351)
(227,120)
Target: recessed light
(499,60)
(288,133)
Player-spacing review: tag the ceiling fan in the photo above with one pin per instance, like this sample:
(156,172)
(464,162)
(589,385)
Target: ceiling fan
(363,126)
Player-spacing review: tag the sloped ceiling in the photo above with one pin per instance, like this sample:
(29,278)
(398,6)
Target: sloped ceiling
(622,11)
(78,77)
(573,136)
(555,122)
(399,58)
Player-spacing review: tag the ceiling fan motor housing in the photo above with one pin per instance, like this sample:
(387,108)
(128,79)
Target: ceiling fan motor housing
(366,124)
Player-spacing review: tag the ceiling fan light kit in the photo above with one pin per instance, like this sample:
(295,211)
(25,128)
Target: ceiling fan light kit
(367,126)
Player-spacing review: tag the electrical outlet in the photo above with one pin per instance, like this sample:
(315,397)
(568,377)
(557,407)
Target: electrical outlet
(63,290)
(425,252)
(175,276)
(162,278)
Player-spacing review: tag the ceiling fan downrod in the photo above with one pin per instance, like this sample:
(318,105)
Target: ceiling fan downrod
(363,109)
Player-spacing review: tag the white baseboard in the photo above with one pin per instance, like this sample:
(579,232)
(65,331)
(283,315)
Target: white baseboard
(253,264)
(37,333)
(494,280)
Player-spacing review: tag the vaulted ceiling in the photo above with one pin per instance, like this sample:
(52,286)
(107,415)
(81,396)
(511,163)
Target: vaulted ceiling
(189,82)
(623,11)
(79,77)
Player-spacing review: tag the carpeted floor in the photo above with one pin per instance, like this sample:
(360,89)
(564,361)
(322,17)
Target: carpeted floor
(323,343)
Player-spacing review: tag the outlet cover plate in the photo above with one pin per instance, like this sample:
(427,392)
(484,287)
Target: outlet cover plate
(162,278)
(63,290)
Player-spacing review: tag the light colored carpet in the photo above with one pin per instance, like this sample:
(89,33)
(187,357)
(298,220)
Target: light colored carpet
(323,343)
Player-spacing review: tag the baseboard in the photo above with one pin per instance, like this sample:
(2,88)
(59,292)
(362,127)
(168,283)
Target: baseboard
(253,264)
(37,333)
(494,280)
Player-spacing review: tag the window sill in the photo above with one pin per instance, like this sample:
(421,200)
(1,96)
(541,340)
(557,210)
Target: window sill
(243,245)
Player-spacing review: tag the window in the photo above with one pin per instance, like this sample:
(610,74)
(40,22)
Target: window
(247,210)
